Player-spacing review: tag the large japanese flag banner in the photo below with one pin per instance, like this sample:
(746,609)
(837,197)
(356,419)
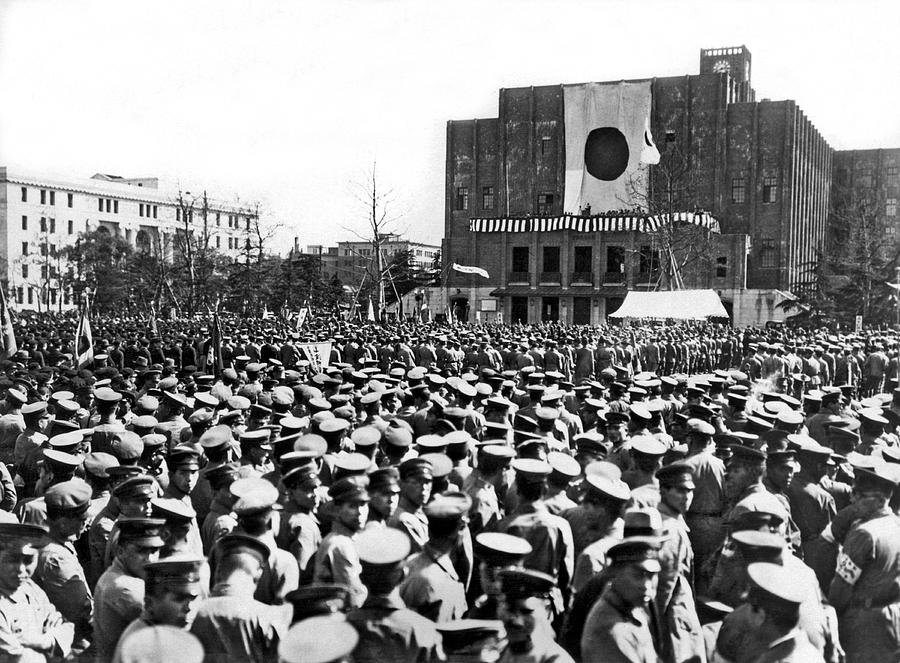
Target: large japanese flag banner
(608,146)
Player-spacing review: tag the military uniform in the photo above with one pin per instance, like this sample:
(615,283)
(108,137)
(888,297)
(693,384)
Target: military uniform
(27,612)
(617,632)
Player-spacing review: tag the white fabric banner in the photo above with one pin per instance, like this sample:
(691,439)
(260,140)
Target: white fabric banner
(608,146)
(466,269)
(318,354)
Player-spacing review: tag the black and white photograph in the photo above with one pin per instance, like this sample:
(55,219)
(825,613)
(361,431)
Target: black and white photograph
(499,331)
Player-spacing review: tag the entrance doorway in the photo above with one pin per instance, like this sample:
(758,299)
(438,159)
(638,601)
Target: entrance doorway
(581,310)
(518,310)
(461,309)
(550,309)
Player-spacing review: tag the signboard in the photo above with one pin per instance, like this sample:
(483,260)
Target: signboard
(858,324)
(488,304)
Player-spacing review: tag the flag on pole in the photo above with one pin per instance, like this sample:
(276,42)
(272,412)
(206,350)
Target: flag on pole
(301,317)
(265,314)
(151,322)
(84,339)
(466,269)
(216,345)
(10,347)
(370,316)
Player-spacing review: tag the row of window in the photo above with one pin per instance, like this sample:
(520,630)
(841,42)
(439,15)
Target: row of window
(21,293)
(48,225)
(44,248)
(544,200)
(48,197)
(649,261)
(44,271)
(739,190)
(147,210)
(108,205)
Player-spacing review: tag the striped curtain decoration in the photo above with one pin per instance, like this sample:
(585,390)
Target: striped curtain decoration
(592,224)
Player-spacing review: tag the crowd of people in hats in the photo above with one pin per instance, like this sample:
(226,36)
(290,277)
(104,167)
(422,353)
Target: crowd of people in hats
(526,493)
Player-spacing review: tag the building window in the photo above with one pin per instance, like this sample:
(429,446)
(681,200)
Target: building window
(230,243)
(43,224)
(24,198)
(116,206)
(66,297)
(141,209)
(178,214)
(24,222)
(584,255)
(108,205)
(19,292)
(248,223)
(544,203)
(24,248)
(551,259)
(43,196)
(462,198)
(218,242)
(53,250)
(31,295)
(53,296)
(218,219)
(891,171)
(738,190)
(770,189)
(615,259)
(865,178)
(768,255)
(71,226)
(545,146)
(44,249)
(154,211)
(721,267)
(43,272)
(69,199)
(487,197)
(24,271)
(100,204)
(53,197)
(520,258)
(53,225)
(891,207)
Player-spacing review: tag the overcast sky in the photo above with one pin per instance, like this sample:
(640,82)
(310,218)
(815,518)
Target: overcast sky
(289,101)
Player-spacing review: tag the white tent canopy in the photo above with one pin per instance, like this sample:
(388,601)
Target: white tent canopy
(674,304)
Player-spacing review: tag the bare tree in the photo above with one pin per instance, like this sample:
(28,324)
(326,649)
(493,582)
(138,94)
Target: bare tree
(381,223)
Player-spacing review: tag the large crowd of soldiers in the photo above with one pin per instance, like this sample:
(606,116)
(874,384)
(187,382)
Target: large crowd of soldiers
(449,493)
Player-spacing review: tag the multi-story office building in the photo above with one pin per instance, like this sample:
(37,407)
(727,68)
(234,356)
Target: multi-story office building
(40,216)
(760,168)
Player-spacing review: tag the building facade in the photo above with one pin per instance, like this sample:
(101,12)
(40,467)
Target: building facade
(867,184)
(760,168)
(40,216)
(355,258)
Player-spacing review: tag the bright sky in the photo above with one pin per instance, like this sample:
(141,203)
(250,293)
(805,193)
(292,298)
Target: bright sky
(288,102)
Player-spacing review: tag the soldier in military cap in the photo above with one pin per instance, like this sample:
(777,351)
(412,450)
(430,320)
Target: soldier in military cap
(866,587)
(315,600)
(388,631)
(221,519)
(119,593)
(550,536)
(184,473)
(300,532)
(384,494)
(172,588)
(231,624)
(416,480)
(337,560)
(481,485)
(618,626)
(525,608)
(130,499)
(493,552)
(433,587)
(31,628)
(59,572)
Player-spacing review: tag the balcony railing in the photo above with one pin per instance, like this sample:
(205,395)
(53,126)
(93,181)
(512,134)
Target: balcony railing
(579,278)
(551,277)
(519,278)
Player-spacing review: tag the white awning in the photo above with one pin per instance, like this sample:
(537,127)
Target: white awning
(672,304)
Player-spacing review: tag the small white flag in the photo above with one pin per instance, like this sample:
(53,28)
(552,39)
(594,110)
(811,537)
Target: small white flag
(465,269)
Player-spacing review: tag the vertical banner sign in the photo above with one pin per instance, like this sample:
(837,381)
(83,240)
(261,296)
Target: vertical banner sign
(859,324)
(301,317)
(216,345)
(10,347)
(84,339)
(318,354)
